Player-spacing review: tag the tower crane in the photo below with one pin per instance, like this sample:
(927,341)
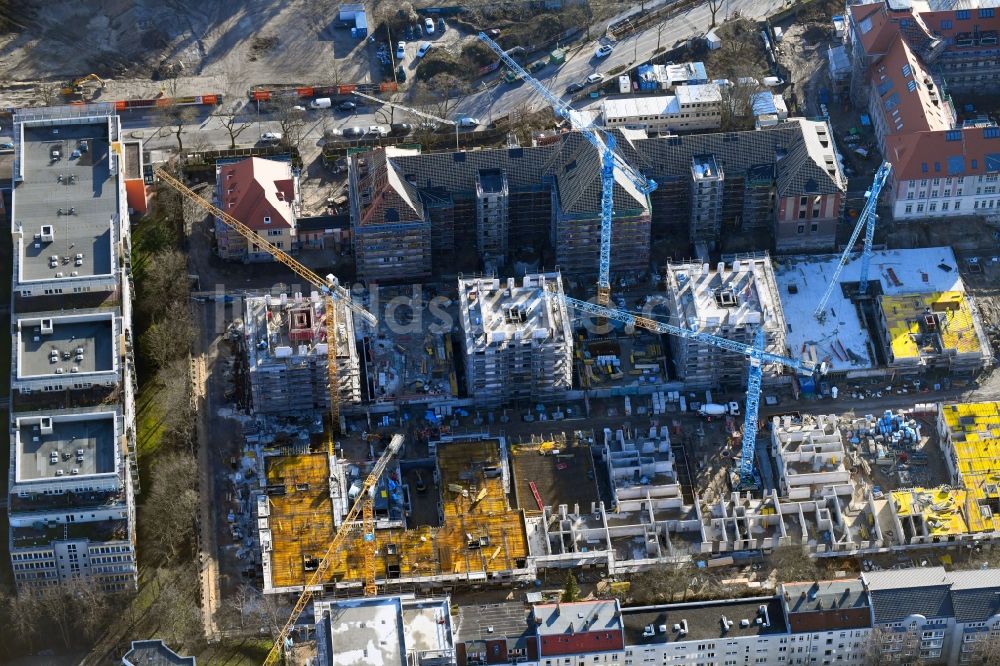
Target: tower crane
(330,287)
(415,112)
(755,353)
(611,161)
(363,503)
(866,220)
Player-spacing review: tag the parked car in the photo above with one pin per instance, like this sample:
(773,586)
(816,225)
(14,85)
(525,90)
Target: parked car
(575,87)
(347,105)
(424,48)
(772,81)
(596,77)
(299,108)
(429,26)
(379,130)
(321,103)
(400,129)
(603,51)
(400,50)
(7,145)
(270,137)
(400,75)
(442,26)
(468,121)
(352,132)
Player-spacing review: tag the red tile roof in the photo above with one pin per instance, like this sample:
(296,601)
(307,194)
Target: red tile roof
(255,188)
(903,85)
(941,154)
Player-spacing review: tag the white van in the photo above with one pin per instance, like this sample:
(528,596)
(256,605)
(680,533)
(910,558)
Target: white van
(320,103)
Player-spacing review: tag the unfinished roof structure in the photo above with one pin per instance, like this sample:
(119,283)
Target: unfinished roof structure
(970,440)
(518,342)
(936,330)
(287,353)
(480,535)
(810,456)
(909,280)
(731,301)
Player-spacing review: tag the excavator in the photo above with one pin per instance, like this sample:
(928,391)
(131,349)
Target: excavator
(76,88)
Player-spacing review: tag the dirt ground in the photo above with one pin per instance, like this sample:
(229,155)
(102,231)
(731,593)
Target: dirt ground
(216,46)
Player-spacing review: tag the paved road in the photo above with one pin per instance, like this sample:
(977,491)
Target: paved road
(484,104)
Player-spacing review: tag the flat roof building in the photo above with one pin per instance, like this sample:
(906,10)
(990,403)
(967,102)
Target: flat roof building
(518,343)
(810,456)
(287,353)
(70,213)
(73,471)
(691,107)
(55,351)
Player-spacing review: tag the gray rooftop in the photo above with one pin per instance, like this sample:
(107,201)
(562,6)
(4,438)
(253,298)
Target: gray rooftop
(645,626)
(94,437)
(969,596)
(154,653)
(365,632)
(85,345)
(899,593)
(825,595)
(492,621)
(83,184)
(577,617)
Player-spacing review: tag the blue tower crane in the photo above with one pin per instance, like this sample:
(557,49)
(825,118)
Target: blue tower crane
(611,161)
(755,353)
(866,220)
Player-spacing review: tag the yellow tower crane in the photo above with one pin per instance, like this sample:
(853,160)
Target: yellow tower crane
(329,287)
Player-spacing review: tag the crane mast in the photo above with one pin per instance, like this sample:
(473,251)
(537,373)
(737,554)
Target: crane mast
(867,221)
(611,161)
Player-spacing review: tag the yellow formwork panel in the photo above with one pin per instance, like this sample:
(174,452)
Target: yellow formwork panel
(955,322)
(302,522)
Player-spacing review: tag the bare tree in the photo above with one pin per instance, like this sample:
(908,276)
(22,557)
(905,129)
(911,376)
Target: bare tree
(234,121)
(242,602)
(986,650)
(172,504)
(714,6)
(176,606)
(441,93)
(291,120)
(175,119)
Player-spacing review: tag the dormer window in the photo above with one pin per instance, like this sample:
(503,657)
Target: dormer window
(267,220)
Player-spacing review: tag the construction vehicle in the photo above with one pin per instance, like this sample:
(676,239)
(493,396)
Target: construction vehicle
(421,114)
(75,88)
(756,354)
(867,220)
(363,504)
(611,161)
(329,287)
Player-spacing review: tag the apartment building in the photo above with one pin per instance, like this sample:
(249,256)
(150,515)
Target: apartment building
(287,353)
(691,108)
(517,343)
(72,474)
(264,195)
(936,616)
(731,301)
(431,208)
(905,60)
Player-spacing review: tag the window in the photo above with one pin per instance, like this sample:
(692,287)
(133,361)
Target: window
(906,70)
(920,208)
(802,215)
(986,13)
(944,206)
(801,229)
(923,167)
(975,164)
(937,169)
(814,227)
(909,208)
(963,14)
(946,24)
(953,135)
(991,132)
(958,204)
(911,85)
(933,207)
(267,220)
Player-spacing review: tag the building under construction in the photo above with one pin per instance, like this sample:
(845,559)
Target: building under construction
(730,301)
(479,535)
(287,353)
(518,343)
(413,213)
